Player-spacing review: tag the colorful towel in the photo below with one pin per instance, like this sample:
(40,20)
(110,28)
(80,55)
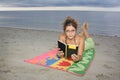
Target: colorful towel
(51,60)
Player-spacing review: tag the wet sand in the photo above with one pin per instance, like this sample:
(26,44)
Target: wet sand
(17,45)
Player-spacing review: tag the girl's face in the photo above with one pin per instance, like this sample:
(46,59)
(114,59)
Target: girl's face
(70,32)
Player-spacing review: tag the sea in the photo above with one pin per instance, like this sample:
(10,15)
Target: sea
(100,22)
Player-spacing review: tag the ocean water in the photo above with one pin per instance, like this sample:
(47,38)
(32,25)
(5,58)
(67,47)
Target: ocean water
(100,23)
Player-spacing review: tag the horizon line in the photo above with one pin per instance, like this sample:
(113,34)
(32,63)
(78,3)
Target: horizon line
(73,8)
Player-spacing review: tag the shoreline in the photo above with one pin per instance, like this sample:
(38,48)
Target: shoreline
(40,29)
(17,45)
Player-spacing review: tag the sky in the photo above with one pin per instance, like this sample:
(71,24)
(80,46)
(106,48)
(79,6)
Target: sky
(59,3)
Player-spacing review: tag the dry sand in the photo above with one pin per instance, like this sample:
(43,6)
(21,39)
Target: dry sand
(16,45)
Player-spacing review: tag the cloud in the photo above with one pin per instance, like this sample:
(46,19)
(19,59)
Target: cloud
(41,3)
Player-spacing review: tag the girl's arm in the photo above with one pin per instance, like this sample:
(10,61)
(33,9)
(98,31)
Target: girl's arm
(60,38)
(81,47)
(80,50)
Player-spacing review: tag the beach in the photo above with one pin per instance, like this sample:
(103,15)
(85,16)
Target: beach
(17,45)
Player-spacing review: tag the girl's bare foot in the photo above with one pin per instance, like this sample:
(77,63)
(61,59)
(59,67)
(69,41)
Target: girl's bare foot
(84,30)
(84,26)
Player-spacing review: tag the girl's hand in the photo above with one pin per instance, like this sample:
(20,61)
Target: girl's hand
(76,57)
(60,54)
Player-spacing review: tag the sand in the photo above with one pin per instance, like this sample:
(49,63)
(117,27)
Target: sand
(17,45)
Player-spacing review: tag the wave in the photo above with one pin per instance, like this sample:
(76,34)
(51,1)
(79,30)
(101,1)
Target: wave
(74,8)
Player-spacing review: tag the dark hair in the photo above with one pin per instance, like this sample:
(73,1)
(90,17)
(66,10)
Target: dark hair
(69,21)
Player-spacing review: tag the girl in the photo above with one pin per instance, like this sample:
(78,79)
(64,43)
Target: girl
(70,36)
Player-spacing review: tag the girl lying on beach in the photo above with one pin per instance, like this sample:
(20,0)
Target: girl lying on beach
(70,36)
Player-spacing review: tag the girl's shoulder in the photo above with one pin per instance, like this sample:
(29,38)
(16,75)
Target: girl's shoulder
(79,38)
(62,37)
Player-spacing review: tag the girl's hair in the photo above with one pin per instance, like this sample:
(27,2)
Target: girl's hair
(69,21)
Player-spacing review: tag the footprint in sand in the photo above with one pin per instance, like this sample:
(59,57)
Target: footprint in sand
(118,53)
(107,66)
(97,44)
(5,71)
(6,42)
(102,77)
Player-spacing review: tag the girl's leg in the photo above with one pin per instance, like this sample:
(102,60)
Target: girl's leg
(89,43)
(81,33)
(85,30)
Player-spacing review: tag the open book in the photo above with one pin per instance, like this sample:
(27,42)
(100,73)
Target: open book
(67,49)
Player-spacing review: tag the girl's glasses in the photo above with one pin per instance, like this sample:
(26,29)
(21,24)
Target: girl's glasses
(68,31)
